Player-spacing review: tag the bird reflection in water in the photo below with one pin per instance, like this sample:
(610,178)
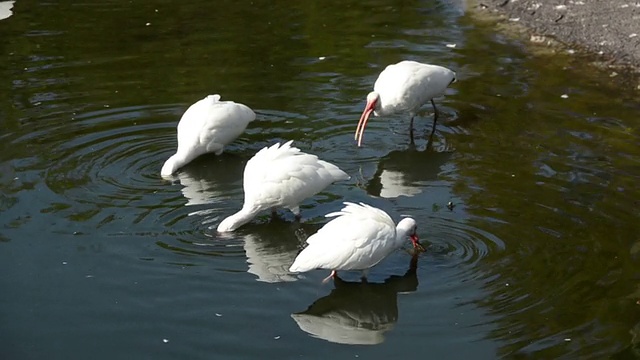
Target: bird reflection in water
(407,172)
(358,313)
(198,191)
(269,257)
(204,184)
(5,9)
(271,249)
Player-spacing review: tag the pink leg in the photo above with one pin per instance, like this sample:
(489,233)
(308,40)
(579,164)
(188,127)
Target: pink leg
(331,276)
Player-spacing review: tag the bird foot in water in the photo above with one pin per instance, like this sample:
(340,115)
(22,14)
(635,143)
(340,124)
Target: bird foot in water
(331,276)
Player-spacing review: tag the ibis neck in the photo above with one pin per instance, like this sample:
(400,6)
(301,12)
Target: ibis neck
(175,162)
(238,219)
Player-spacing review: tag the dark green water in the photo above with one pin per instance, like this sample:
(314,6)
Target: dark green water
(101,258)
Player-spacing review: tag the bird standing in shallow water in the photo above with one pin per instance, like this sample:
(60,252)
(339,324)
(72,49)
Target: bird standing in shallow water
(405,87)
(281,176)
(358,238)
(207,126)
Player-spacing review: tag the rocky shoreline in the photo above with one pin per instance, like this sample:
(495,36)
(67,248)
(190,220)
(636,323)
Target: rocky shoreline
(608,29)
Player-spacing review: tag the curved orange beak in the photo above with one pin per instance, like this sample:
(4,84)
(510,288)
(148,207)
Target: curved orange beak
(368,109)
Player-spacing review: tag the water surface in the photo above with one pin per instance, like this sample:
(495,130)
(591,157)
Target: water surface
(537,257)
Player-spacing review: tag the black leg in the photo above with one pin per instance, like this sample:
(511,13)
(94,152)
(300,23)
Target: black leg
(430,141)
(435,117)
(433,128)
(411,130)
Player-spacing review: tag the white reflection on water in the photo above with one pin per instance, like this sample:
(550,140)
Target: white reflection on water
(5,9)
(269,257)
(357,313)
(198,191)
(409,173)
(394,185)
(209,182)
(269,262)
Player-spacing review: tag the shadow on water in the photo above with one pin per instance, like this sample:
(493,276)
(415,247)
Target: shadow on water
(358,313)
(407,172)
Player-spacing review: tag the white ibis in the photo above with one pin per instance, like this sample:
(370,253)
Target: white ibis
(281,176)
(358,238)
(207,126)
(405,87)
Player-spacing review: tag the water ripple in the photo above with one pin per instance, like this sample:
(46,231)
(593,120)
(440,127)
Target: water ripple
(114,158)
(461,246)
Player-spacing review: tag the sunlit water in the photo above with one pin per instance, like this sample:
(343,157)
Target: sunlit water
(528,201)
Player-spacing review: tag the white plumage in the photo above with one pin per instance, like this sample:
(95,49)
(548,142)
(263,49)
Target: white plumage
(207,126)
(281,176)
(405,87)
(358,238)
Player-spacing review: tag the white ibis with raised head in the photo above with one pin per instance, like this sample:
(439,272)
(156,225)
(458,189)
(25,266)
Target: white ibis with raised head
(281,176)
(405,87)
(358,238)
(206,127)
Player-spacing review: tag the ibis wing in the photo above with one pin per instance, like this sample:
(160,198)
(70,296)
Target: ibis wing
(211,121)
(407,85)
(357,238)
(225,121)
(283,175)
(343,245)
